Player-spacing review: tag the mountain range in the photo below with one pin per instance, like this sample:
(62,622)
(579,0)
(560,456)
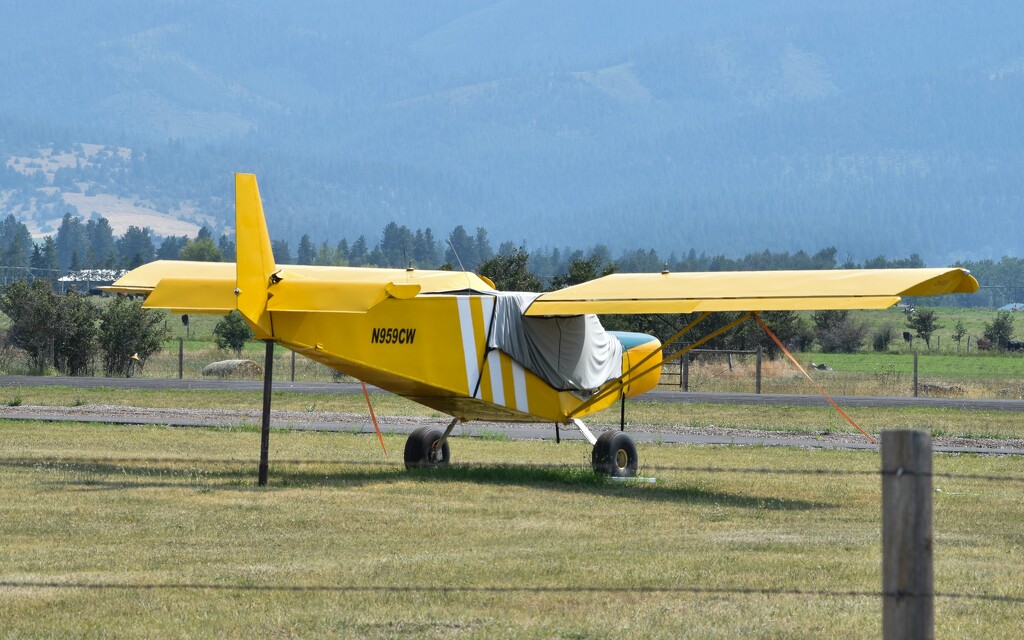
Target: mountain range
(881,128)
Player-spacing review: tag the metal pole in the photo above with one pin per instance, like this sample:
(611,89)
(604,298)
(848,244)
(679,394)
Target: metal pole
(181,358)
(622,413)
(757,371)
(915,374)
(268,384)
(908,599)
(685,383)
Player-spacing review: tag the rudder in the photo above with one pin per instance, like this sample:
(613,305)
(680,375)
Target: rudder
(254,258)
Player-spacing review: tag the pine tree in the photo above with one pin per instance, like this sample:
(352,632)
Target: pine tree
(307,253)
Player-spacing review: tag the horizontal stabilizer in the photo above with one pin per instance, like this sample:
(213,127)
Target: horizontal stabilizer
(298,287)
(193,295)
(306,294)
(144,279)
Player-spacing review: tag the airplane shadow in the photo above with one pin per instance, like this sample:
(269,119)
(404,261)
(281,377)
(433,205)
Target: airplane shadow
(582,480)
(111,476)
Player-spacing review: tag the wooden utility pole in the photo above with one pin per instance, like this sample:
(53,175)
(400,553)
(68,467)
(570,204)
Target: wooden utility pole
(757,371)
(908,598)
(915,374)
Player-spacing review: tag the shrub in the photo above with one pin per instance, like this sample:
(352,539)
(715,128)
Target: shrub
(883,337)
(57,330)
(999,332)
(232,333)
(837,332)
(924,322)
(126,329)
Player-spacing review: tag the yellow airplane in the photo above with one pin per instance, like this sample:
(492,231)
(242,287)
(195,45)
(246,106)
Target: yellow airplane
(451,341)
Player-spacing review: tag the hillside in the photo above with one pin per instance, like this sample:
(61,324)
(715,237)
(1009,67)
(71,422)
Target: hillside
(878,128)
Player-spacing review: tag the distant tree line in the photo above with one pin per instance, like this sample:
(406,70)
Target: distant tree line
(92,244)
(66,331)
(1002,283)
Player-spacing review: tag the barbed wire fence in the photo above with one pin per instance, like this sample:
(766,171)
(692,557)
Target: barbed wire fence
(906,476)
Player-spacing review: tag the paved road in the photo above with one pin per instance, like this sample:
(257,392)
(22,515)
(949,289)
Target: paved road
(693,397)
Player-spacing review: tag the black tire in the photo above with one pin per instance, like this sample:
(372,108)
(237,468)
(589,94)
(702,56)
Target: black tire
(615,455)
(420,446)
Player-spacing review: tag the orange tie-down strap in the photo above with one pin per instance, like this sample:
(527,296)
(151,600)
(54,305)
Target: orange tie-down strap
(809,378)
(373,416)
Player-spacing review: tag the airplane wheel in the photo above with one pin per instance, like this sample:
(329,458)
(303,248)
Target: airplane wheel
(421,452)
(615,455)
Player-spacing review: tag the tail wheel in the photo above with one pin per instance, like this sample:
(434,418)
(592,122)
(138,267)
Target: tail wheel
(421,449)
(615,455)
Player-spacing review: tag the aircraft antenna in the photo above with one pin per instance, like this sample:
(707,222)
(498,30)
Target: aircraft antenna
(456,253)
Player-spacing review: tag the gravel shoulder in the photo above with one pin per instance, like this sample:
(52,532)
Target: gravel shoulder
(360,423)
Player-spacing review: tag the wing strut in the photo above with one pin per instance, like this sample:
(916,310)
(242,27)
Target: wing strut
(827,397)
(618,384)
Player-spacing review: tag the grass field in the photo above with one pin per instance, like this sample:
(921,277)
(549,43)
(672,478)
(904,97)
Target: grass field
(979,375)
(522,550)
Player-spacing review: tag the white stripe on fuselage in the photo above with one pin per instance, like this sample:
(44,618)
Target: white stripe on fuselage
(519,383)
(497,391)
(468,343)
(497,383)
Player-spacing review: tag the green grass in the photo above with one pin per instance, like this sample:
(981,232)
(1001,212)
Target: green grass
(984,375)
(986,366)
(383,403)
(197,520)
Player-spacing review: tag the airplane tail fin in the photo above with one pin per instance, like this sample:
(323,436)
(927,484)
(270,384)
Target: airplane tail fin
(254,257)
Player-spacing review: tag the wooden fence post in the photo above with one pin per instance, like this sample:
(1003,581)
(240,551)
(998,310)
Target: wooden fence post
(915,374)
(908,599)
(293,366)
(757,371)
(181,358)
(685,381)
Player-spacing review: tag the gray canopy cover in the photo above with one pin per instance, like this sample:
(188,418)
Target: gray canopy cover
(572,353)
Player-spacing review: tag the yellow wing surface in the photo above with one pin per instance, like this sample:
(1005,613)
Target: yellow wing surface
(751,291)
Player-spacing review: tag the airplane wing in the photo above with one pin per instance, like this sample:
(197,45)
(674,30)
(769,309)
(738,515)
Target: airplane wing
(750,291)
(209,287)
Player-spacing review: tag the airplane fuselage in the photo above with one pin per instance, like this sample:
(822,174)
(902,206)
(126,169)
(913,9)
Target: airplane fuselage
(433,350)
